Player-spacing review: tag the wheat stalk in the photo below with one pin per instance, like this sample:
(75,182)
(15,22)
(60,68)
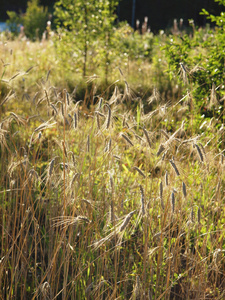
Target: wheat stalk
(51,166)
(139,171)
(161,149)
(142,200)
(66,221)
(199,215)
(173,201)
(174,167)
(161,194)
(109,117)
(184,189)
(127,139)
(147,137)
(126,221)
(75,120)
(166,179)
(199,152)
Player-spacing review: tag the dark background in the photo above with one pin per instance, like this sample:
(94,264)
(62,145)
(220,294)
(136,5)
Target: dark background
(160,12)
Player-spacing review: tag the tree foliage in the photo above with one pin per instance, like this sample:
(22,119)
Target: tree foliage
(81,23)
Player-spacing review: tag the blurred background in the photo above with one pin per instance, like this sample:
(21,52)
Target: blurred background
(160,13)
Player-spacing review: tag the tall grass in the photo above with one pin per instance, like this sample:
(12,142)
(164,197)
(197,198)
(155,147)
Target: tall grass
(99,202)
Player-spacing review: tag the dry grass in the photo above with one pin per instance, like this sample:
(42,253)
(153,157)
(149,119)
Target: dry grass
(98,202)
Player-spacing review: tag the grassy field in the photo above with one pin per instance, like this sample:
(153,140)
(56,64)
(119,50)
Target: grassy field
(106,193)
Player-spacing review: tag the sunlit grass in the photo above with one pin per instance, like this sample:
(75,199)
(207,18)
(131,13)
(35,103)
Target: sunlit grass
(110,197)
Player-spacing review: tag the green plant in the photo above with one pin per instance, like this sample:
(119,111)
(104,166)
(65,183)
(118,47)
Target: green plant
(35,20)
(105,200)
(200,62)
(84,27)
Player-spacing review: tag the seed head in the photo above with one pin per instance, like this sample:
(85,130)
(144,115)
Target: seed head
(142,200)
(184,189)
(174,167)
(173,201)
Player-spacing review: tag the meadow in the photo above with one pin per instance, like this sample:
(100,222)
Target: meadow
(108,190)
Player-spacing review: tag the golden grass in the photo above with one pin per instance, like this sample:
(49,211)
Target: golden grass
(104,201)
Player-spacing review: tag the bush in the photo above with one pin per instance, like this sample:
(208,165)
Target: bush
(199,59)
(34,20)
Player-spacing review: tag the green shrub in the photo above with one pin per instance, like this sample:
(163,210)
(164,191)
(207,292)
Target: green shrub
(35,19)
(199,60)
(137,46)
